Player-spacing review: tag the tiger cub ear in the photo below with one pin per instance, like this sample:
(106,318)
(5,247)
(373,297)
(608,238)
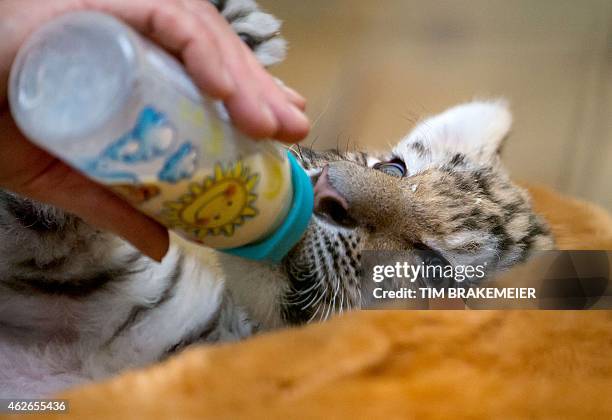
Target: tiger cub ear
(468,133)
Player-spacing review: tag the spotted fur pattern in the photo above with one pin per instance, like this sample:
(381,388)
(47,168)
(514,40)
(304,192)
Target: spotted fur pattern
(78,304)
(455,201)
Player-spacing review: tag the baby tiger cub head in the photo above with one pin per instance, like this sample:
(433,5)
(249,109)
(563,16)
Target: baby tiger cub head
(442,189)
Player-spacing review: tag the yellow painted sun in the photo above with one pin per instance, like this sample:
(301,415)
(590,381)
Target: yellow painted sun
(217,205)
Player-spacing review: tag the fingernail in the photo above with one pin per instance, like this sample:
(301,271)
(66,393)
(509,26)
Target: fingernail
(157,249)
(298,115)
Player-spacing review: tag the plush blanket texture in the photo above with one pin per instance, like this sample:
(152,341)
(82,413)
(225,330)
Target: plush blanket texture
(394,364)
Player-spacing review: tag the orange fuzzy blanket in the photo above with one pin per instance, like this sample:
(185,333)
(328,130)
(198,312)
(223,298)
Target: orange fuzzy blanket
(392,364)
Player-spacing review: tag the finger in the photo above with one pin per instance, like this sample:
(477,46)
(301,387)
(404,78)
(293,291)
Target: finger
(182,33)
(255,87)
(249,103)
(247,107)
(30,171)
(293,124)
(195,31)
(61,186)
(167,22)
(171,25)
(295,98)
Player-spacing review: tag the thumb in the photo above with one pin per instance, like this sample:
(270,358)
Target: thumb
(62,186)
(30,171)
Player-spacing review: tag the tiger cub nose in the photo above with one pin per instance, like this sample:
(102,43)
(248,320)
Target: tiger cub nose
(329,203)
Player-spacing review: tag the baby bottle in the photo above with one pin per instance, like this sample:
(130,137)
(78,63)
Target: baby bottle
(94,93)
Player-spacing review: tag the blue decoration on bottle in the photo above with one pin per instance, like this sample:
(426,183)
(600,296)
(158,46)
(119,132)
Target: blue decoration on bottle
(151,137)
(180,165)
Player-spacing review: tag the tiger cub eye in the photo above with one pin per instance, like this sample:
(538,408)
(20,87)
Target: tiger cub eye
(395,168)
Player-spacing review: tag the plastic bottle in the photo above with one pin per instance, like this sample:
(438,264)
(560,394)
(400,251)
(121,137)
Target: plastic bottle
(93,92)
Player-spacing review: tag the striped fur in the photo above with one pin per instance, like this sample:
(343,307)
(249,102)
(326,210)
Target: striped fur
(78,304)
(456,201)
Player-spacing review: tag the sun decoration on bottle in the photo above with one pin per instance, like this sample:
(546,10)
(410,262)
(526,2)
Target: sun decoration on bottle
(216,205)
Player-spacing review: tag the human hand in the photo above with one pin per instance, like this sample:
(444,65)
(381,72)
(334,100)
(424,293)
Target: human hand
(218,62)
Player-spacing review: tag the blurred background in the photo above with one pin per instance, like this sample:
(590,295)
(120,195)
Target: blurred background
(371,69)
